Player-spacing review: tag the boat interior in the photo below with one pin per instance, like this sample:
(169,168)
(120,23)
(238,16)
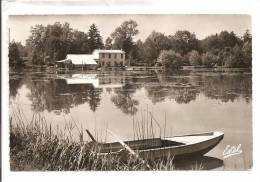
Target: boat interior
(138,145)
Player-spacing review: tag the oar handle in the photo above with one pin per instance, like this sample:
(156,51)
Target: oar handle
(90,135)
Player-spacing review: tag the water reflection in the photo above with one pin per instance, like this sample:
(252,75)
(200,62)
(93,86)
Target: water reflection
(56,95)
(123,99)
(198,163)
(60,93)
(109,99)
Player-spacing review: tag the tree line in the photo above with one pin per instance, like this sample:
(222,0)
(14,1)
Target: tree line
(48,44)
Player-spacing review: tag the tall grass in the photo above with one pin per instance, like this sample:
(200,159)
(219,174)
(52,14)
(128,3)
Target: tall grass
(36,145)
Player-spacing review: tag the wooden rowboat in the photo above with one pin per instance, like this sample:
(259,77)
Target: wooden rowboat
(177,146)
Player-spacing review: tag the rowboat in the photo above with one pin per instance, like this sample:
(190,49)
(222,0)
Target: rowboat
(177,146)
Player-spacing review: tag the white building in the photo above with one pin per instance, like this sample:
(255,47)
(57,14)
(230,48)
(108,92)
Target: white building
(108,58)
(103,58)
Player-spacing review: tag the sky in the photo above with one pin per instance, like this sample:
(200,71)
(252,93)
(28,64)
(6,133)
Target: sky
(201,25)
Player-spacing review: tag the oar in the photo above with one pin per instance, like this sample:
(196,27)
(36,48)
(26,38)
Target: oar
(90,135)
(128,148)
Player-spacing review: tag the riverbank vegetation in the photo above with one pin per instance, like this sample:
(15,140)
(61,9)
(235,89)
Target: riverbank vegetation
(48,44)
(36,145)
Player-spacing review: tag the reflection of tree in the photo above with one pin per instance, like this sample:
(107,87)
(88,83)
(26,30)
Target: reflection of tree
(56,95)
(180,95)
(185,95)
(14,85)
(224,86)
(123,100)
(227,87)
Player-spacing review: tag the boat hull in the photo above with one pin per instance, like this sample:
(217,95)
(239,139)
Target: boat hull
(177,147)
(190,150)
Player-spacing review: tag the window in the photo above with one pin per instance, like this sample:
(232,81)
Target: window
(103,55)
(122,56)
(109,55)
(115,55)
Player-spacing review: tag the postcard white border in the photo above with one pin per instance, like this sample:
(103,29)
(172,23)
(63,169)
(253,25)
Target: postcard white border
(133,7)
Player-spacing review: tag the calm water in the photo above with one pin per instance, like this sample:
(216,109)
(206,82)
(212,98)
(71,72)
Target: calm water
(181,103)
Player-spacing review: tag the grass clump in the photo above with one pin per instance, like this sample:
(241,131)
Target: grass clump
(35,146)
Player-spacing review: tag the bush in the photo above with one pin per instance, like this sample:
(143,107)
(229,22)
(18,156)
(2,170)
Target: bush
(194,58)
(209,59)
(170,59)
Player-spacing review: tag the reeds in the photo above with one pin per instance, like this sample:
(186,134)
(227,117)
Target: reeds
(36,145)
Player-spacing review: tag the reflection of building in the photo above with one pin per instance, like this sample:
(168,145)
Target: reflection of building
(94,80)
(104,58)
(83,79)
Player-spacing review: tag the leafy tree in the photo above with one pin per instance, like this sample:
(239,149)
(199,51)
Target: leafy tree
(247,54)
(95,39)
(237,56)
(14,55)
(153,45)
(247,49)
(209,59)
(227,39)
(228,60)
(247,37)
(37,42)
(210,43)
(138,53)
(170,59)
(123,36)
(184,42)
(50,43)
(194,58)
(22,49)
(108,43)
(79,43)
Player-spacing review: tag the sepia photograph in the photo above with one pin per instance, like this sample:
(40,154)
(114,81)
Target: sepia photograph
(130,92)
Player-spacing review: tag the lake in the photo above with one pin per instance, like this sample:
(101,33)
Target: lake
(123,102)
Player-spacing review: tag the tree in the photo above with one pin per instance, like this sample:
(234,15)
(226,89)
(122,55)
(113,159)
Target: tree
(247,37)
(22,49)
(237,56)
(247,49)
(210,43)
(138,53)
(228,60)
(227,39)
(95,39)
(209,59)
(170,59)
(79,43)
(194,58)
(50,43)
(153,45)
(123,36)
(247,54)
(37,42)
(108,43)
(14,55)
(184,42)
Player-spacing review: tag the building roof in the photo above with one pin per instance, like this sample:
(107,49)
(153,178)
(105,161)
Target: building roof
(79,59)
(108,51)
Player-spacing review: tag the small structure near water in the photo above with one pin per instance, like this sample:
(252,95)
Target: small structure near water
(99,58)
